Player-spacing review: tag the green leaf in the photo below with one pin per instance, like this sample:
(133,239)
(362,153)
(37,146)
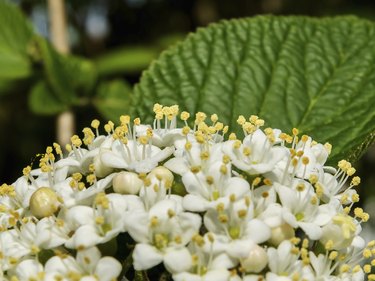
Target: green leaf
(317,75)
(127,59)
(42,100)
(81,72)
(113,99)
(15,34)
(55,71)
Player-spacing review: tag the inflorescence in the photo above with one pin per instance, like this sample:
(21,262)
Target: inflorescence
(195,198)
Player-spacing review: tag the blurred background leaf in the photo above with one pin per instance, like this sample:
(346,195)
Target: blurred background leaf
(112,98)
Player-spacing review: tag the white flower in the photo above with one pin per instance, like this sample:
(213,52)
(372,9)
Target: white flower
(162,234)
(99,224)
(234,227)
(256,154)
(88,263)
(133,156)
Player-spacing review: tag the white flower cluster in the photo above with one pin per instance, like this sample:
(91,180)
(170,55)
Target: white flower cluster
(205,206)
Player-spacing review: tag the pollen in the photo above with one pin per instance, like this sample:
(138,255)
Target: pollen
(95,123)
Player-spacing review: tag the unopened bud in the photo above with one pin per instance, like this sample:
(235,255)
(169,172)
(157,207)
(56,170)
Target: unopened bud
(127,183)
(44,202)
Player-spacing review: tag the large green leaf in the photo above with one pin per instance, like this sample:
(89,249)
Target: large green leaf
(113,99)
(317,75)
(15,35)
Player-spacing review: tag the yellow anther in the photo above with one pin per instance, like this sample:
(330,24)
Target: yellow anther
(99,220)
(219,126)
(253,118)
(225,129)
(195,169)
(300,187)
(314,200)
(247,151)
(328,246)
(26,171)
(267,182)
(220,207)
(68,147)
(358,212)
(333,255)
(236,144)
(367,253)
(305,160)
(305,243)
(76,141)
(171,213)
(259,122)
(351,171)
(355,198)
(313,179)
(223,218)
(242,214)
(226,159)
(223,169)
(265,194)
(328,147)
(248,128)
(205,155)
(95,123)
(241,120)
(200,117)
(367,268)
(137,121)
(184,115)
(345,268)
(143,140)
(300,153)
(304,138)
(214,118)
(209,180)
(356,181)
(232,136)
(125,119)
(256,181)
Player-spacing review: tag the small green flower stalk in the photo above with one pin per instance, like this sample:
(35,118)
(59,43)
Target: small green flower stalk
(261,207)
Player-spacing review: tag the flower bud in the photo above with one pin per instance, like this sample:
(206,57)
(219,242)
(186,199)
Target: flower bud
(44,202)
(162,173)
(101,170)
(256,261)
(281,233)
(127,183)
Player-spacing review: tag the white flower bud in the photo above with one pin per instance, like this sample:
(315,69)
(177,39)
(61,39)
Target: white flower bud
(44,202)
(127,183)
(281,233)
(101,170)
(256,260)
(162,173)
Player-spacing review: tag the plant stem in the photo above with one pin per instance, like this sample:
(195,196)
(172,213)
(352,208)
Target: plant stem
(59,37)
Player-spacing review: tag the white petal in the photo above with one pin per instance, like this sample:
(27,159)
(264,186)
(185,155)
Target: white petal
(177,260)
(195,203)
(177,165)
(86,236)
(88,258)
(136,224)
(313,231)
(145,256)
(108,269)
(258,231)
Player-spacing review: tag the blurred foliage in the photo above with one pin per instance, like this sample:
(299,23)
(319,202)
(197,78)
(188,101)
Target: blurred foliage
(112,42)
